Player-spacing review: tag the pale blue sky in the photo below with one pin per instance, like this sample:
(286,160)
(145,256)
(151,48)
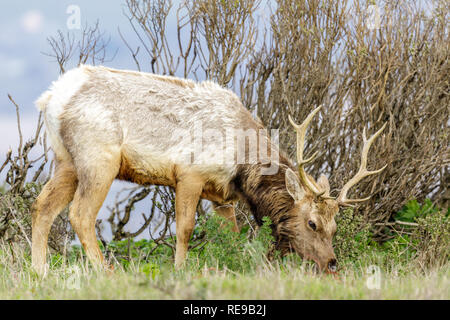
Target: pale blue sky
(24,71)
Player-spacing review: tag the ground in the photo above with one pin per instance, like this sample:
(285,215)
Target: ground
(269,281)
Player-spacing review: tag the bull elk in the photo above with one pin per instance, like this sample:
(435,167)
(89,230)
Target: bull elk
(106,124)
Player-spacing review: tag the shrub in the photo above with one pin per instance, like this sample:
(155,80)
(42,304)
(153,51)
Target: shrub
(431,239)
(23,183)
(412,210)
(224,248)
(352,237)
(15,219)
(420,234)
(214,245)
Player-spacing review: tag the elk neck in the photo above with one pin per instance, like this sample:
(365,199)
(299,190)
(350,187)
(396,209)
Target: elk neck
(266,195)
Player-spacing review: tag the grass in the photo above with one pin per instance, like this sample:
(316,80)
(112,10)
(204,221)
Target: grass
(228,266)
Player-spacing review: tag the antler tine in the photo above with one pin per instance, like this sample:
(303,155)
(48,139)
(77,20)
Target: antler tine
(362,172)
(301,133)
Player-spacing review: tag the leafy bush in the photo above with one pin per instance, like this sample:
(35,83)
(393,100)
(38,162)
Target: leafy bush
(412,210)
(423,241)
(143,251)
(352,236)
(235,251)
(431,239)
(422,234)
(221,248)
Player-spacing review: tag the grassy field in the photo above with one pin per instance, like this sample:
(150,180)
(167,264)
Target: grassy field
(75,281)
(228,266)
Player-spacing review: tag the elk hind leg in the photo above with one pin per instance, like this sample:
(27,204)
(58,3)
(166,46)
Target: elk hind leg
(227,211)
(54,197)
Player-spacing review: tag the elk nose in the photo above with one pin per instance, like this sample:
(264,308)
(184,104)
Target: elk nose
(332,265)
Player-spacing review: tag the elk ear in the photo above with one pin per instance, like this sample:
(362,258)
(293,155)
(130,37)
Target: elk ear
(324,184)
(293,185)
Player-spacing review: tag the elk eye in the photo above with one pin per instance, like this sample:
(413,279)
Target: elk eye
(312,225)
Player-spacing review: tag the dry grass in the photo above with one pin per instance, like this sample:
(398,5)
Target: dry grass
(75,281)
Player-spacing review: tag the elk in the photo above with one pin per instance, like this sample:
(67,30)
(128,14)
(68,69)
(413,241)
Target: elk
(106,124)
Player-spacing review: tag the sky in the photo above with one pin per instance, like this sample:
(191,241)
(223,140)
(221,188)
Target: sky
(25,72)
(25,27)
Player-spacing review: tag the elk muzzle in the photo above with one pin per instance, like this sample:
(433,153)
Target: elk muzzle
(332,266)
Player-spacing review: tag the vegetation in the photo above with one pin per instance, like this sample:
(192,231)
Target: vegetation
(310,53)
(232,265)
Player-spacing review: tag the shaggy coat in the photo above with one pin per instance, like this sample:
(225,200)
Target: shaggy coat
(107,124)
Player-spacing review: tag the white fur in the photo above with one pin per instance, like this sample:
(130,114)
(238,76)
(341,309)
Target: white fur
(52,103)
(154,117)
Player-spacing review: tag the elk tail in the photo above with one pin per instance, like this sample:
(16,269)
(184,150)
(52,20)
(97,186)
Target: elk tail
(42,102)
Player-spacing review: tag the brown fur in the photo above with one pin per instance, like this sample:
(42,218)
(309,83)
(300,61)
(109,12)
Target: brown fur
(132,172)
(268,196)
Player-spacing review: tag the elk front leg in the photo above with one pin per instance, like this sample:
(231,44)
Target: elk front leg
(188,191)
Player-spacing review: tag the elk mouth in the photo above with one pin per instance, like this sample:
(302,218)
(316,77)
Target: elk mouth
(317,268)
(331,266)
(328,268)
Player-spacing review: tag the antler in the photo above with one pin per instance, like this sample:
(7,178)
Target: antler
(301,132)
(362,172)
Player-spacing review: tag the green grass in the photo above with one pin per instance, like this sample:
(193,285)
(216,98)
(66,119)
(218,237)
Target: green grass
(290,281)
(229,266)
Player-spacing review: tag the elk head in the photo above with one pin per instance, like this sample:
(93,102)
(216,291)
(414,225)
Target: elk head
(313,226)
